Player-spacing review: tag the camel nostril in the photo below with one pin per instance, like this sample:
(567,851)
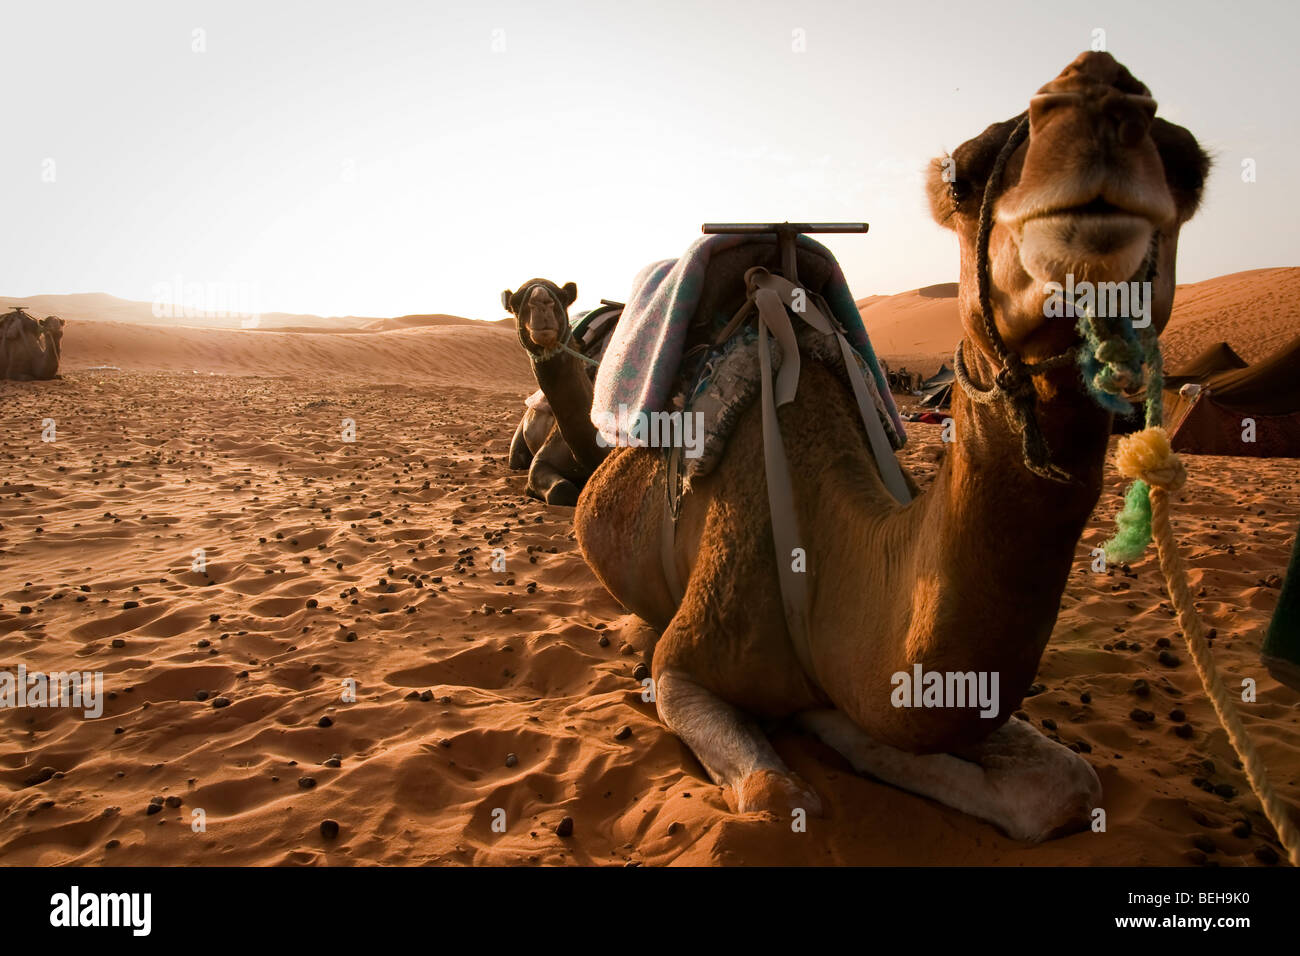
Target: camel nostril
(1131,132)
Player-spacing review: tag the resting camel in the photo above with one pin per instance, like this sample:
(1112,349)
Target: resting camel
(968,576)
(30,349)
(561,443)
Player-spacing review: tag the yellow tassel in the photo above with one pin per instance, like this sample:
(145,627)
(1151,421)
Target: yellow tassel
(1148,456)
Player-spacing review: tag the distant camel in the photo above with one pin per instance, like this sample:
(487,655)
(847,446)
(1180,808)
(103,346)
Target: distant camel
(560,442)
(30,349)
(965,579)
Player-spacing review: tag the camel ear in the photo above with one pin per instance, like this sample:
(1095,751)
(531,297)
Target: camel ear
(955,183)
(1186,165)
(568,293)
(942,190)
(505,301)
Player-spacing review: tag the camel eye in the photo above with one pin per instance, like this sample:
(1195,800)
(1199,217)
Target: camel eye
(960,190)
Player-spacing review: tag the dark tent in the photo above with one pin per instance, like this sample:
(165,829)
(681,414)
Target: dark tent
(936,391)
(1217,358)
(1208,416)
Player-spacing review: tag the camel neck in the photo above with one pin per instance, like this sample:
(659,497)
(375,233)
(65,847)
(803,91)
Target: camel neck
(969,576)
(562,377)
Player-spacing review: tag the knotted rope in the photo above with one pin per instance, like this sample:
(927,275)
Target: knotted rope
(1147,457)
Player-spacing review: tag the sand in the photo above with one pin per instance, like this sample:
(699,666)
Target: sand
(371,562)
(1253,311)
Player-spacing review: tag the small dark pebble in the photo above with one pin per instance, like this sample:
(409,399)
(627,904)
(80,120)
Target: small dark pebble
(39,777)
(329,829)
(221,702)
(565,827)
(306,782)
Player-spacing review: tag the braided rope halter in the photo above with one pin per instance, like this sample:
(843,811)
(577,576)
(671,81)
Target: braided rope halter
(1013,383)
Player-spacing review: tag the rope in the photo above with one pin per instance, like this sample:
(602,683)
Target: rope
(1014,379)
(1148,457)
(1111,358)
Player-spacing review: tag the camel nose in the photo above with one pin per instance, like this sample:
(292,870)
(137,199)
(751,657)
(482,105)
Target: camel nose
(544,331)
(1102,110)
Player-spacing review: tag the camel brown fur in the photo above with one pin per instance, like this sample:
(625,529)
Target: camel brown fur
(30,349)
(968,576)
(558,445)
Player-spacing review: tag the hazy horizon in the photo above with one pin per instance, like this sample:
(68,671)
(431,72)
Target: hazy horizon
(423,157)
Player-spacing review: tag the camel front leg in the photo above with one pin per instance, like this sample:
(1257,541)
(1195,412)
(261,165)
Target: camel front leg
(733,749)
(550,475)
(1028,786)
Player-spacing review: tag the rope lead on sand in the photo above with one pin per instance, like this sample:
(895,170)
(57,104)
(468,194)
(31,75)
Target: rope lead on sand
(1148,457)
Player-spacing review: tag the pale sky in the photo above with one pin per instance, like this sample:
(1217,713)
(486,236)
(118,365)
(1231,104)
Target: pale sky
(390,157)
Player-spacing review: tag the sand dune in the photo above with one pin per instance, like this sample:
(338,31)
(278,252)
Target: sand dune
(101,307)
(452,354)
(1254,311)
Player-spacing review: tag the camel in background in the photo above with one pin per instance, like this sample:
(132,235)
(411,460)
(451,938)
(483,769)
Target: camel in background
(30,349)
(968,576)
(557,444)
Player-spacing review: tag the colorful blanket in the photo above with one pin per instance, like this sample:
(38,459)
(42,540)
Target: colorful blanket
(641,361)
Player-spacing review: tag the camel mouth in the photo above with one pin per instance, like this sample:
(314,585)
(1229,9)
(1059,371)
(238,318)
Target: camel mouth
(1097,240)
(1153,206)
(544,338)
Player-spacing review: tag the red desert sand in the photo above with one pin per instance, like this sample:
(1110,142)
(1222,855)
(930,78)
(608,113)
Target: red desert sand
(485,695)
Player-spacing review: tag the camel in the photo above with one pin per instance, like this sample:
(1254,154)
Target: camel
(558,445)
(31,349)
(965,578)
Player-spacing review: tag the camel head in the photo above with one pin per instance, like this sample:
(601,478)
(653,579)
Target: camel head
(52,325)
(541,311)
(1079,199)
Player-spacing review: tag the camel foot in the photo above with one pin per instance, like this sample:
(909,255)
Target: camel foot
(778,793)
(733,749)
(563,493)
(1031,788)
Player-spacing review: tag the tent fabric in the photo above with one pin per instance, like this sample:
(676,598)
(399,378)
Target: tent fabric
(1211,422)
(1270,387)
(936,391)
(1219,357)
(942,377)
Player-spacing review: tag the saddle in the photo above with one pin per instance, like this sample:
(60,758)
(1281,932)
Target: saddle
(746,311)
